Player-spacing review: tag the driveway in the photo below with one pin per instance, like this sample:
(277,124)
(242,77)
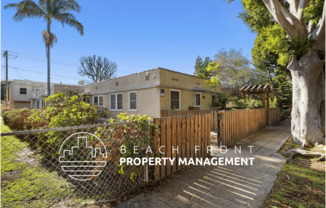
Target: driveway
(224,186)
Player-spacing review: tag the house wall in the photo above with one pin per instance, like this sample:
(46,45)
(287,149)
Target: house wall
(187,98)
(65,88)
(148,97)
(135,81)
(21,104)
(188,85)
(148,102)
(17,100)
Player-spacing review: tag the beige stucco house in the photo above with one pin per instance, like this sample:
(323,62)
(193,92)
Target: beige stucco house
(149,92)
(29,94)
(146,92)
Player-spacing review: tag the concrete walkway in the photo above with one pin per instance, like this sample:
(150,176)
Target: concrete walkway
(224,186)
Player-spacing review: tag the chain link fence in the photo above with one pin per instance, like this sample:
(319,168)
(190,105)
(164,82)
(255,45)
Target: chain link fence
(69,166)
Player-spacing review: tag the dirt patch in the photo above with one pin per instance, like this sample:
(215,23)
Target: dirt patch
(10,176)
(26,156)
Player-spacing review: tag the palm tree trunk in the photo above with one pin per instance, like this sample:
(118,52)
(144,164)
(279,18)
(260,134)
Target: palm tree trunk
(48,56)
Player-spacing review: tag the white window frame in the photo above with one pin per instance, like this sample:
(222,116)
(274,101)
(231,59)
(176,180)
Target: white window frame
(196,99)
(174,90)
(98,100)
(130,100)
(116,102)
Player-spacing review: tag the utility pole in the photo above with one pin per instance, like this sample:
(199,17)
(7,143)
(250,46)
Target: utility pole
(5,54)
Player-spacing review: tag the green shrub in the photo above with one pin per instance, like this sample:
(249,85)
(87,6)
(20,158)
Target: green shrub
(248,103)
(134,131)
(221,100)
(273,102)
(17,119)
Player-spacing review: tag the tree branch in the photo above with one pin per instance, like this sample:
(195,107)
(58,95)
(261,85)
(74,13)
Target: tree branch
(318,34)
(291,25)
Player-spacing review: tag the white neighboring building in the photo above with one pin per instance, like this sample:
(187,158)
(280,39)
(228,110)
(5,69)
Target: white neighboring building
(29,94)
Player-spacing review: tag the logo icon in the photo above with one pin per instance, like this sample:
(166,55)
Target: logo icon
(82,156)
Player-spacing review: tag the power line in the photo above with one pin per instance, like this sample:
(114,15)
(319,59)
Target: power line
(44,73)
(18,74)
(53,61)
(44,61)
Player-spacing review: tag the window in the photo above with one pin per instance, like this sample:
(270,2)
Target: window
(133,101)
(162,92)
(198,99)
(95,100)
(175,100)
(119,101)
(147,77)
(36,92)
(86,99)
(116,101)
(214,101)
(37,104)
(23,91)
(98,100)
(113,106)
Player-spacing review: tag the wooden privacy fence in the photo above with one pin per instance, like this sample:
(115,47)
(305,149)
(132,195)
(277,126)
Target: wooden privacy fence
(173,113)
(183,133)
(274,116)
(239,124)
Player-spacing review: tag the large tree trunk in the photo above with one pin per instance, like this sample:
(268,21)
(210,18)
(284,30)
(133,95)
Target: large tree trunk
(308,107)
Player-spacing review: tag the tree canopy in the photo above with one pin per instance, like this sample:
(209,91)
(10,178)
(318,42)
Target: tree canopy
(200,67)
(234,70)
(97,68)
(291,35)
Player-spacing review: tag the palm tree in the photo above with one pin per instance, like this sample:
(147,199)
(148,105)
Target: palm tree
(49,9)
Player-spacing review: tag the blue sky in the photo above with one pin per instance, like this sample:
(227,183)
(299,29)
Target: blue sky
(137,35)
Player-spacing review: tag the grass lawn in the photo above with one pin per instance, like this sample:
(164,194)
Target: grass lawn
(26,185)
(301,182)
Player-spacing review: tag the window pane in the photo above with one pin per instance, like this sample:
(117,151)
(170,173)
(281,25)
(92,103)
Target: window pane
(197,99)
(113,102)
(96,100)
(100,100)
(133,101)
(174,95)
(119,101)
(175,100)
(174,104)
(23,91)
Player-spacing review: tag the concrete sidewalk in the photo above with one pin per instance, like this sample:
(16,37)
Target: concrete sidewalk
(224,186)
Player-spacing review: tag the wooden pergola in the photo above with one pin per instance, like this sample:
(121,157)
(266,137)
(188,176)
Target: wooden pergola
(263,90)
